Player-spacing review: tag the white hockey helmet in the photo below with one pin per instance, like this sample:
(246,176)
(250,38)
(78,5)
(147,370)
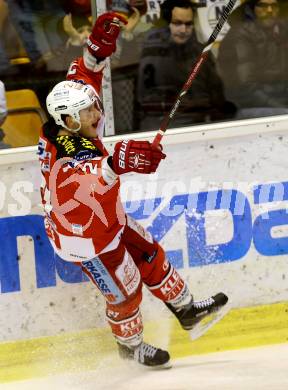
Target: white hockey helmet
(68,98)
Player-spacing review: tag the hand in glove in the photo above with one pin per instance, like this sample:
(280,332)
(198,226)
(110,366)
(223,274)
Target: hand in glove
(102,41)
(136,156)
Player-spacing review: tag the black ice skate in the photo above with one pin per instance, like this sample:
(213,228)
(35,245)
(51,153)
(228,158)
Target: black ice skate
(146,354)
(198,317)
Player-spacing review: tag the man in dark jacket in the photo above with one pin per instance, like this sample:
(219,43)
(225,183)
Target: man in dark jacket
(167,59)
(253,60)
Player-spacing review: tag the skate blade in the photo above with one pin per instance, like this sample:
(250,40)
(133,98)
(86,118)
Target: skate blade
(164,366)
(159,367)
(135,364)
(204,325)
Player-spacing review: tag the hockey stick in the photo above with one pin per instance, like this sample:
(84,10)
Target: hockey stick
(203,56)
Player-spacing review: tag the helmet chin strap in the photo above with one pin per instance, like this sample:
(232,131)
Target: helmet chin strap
(75,131)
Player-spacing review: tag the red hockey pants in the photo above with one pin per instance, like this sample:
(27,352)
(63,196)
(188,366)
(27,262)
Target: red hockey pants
(119,276)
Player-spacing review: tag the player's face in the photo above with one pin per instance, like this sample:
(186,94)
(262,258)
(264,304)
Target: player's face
(267,11)
(181,25)
(89,118)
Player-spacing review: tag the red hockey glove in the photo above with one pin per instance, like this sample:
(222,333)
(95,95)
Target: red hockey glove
(102,41)
(136,156)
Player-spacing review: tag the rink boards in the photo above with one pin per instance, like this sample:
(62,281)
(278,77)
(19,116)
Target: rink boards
(218,205)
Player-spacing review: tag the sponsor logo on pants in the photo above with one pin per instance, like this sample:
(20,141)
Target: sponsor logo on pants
(128,274)
(132,327)
(172,287)
(103,280)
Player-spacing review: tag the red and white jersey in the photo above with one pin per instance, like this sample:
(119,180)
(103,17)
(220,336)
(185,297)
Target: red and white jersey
(84,216)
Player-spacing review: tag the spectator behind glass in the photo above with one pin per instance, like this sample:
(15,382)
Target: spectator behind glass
(73,31)
(3,115)
(167,59)
(128,47)
(36,24)
(253,61)
(52,32)
(76,7)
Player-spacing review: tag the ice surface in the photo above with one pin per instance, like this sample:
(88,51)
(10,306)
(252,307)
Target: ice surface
(251,369)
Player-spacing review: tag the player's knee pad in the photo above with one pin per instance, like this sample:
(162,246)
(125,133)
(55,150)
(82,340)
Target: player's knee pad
(172,288)
(126,329)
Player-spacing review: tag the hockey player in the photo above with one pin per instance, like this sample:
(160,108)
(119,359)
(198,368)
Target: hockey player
(84,218)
